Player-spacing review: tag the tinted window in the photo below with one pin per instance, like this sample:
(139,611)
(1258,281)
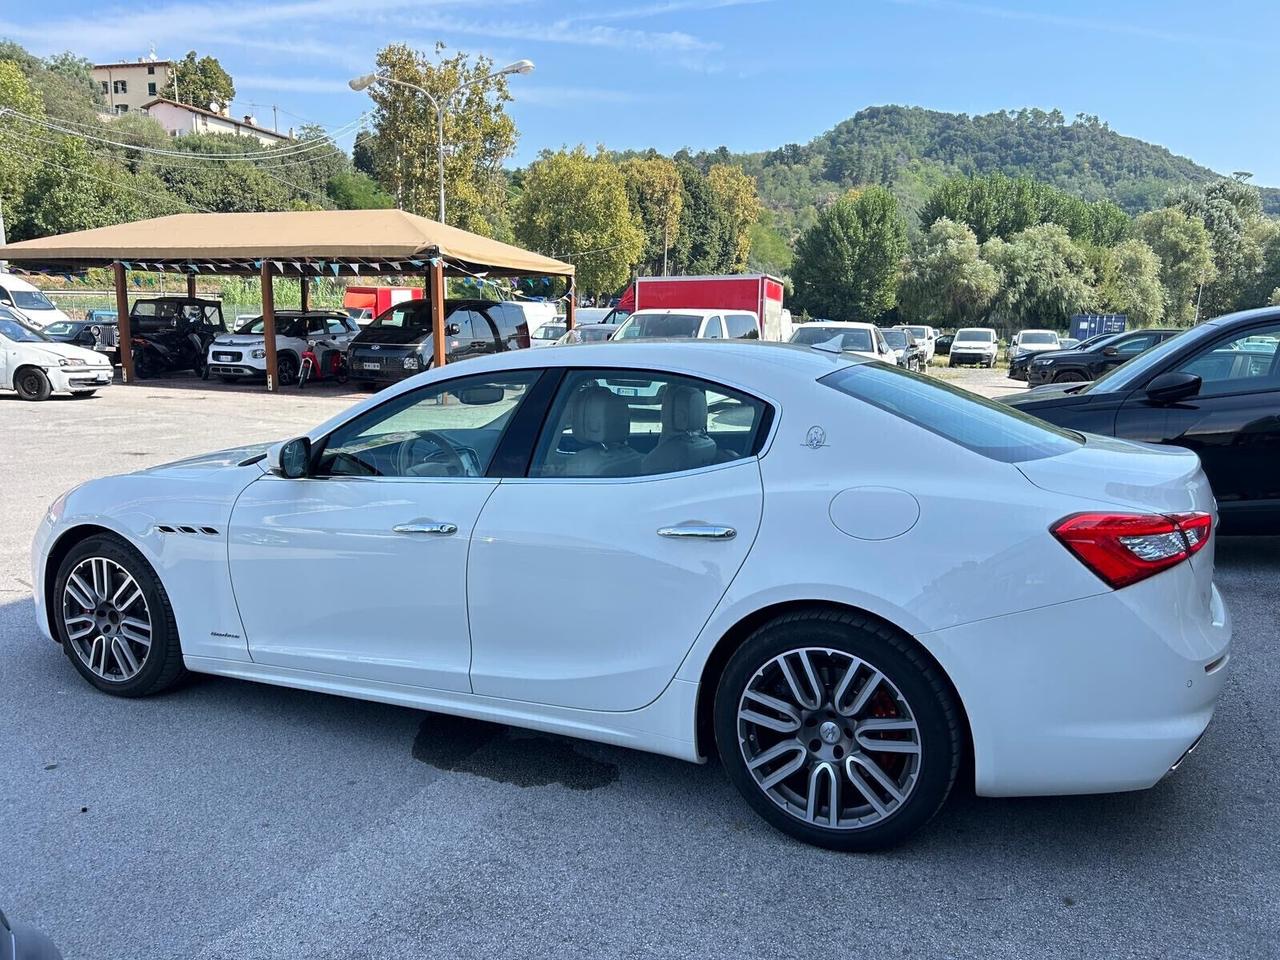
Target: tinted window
(1246,362)
(895,338)
(983,426)
(1037,338)
(849,339)
(1132,346)
(409,316)
(743,326)
(659,325)
(510,322)
(443,430)
(611,423)
(336,326)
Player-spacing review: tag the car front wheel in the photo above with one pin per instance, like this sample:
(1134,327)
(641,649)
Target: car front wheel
(837,730)
(114,620)
(1069,376)
(32,383)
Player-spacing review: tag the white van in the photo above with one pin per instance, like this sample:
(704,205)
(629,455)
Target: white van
(28,302)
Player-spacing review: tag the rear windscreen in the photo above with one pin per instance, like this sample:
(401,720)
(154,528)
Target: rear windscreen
(975,423)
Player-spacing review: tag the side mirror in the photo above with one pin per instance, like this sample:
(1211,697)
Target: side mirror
(1109,351)
(1172,387)
(452,329)
(290,459)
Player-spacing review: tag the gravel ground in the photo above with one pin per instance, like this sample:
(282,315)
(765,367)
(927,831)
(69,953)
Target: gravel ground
(228,819)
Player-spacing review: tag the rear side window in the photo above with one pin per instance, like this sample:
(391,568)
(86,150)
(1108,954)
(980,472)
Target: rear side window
(743,326)
(975,423)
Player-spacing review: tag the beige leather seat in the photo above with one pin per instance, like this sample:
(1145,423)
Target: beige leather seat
(683,444)
(601,421)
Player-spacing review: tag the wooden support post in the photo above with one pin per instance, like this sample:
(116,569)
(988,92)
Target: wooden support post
(437,313)
(191,285)
(124,334)
(570,308)
(269,326)
(305,284)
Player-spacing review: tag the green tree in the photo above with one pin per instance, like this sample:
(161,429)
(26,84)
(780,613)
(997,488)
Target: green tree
(1130,283)
(19,155)
(1044,278)
(478,136)
(78,71)
(770,251)
(703,243)
(353,190)
(575,206)
(946,282)
(735,195)
(1186,257)
(1231,210)
(848,263)
(202,82)
(655,191)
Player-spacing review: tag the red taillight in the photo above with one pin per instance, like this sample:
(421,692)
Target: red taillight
(1123,548)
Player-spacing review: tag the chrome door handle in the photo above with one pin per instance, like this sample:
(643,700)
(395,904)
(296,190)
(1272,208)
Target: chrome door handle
(698,531)
(426,526)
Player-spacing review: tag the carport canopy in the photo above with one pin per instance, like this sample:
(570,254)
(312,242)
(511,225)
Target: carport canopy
(300,244)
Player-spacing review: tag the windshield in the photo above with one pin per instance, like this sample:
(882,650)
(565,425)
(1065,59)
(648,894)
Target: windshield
(849,339)
(975,423)
(31,300)
(656,325)
(59,329)
(974,336)
(918,332)
(285,327)
(19,332)
(1128,373)
(1032,336)
(410,316)
(895,338)
(550,331)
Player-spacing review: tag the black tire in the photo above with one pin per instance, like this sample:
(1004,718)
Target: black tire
(142,365)
(286,369)
(1069,376)
(907,669)
(31,383)
(83,394)
(162,665)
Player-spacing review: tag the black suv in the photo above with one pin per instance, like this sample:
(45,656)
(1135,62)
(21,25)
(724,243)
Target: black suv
(400,341)
(1090,362)
(173,333)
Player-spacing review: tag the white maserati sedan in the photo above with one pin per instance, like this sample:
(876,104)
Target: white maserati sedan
(847,581)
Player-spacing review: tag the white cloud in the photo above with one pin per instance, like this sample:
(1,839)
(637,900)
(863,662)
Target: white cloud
(658,9)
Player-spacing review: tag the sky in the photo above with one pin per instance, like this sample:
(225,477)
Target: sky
(1195,77)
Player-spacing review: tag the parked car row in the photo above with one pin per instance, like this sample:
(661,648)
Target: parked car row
(35,365)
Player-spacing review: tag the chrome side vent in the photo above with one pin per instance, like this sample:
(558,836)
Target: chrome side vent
(184,528)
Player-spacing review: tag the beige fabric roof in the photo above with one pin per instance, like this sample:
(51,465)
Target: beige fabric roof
(328,235)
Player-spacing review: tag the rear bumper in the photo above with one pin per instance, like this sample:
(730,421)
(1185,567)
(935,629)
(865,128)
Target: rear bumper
(1098,695)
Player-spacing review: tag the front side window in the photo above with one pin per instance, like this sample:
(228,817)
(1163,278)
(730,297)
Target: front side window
(975,423)
(623,423)
(16,332)
(444,430)
(1135,345)
(1244,363)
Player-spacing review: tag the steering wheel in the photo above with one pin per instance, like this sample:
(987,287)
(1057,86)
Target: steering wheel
(444,451)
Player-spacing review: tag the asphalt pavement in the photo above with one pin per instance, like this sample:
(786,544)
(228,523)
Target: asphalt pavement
(228,819)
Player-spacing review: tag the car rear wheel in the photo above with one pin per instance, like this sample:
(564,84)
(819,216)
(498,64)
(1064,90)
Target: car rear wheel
(1069,376)
(31,383)
(837,730)
(114,620)
(287,369)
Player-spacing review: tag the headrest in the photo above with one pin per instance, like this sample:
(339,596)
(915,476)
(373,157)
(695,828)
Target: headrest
(684,410)
(599,416)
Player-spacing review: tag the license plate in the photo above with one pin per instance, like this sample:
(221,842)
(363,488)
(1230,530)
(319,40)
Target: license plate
(370,366)
(224,357)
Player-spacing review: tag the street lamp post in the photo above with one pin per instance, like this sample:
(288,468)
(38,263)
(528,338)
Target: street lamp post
(368,79)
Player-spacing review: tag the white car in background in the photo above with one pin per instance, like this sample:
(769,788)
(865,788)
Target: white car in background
(243,354)
(769,565)
(548,333)
(34,366)
(29,302)
(974,345)
(1033,341)
(860,339)
(926,338)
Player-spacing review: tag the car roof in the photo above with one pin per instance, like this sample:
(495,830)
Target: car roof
(686,311)
(838,324)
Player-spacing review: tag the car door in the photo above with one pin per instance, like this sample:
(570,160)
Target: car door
(590,578)
(1126,348)
(359,569)
(1233,423)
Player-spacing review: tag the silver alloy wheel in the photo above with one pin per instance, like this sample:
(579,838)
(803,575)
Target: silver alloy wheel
(106,618)
(829,738)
